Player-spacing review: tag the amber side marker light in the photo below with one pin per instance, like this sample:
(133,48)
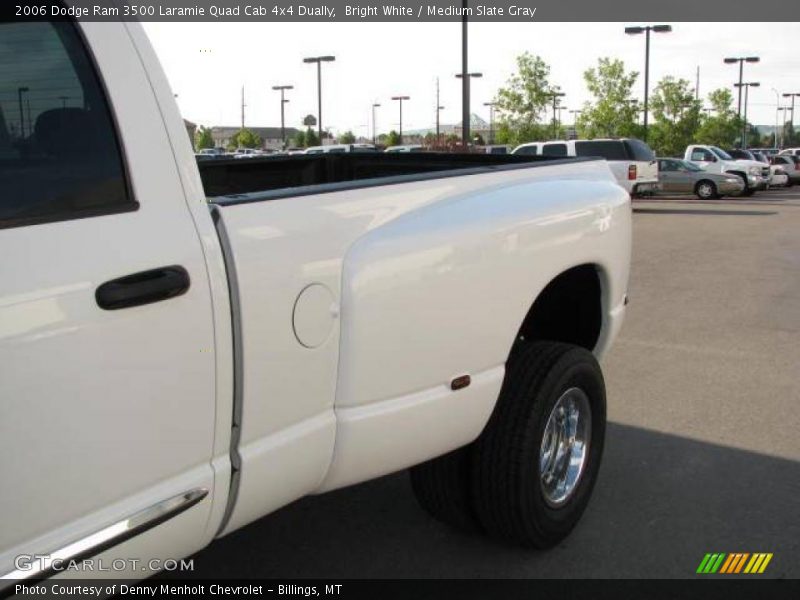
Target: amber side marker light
(460,382)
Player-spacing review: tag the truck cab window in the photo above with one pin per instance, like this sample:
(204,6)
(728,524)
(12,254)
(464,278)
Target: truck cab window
(59,155)
(554,150)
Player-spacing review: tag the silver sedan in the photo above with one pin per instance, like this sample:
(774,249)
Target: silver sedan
(682,177)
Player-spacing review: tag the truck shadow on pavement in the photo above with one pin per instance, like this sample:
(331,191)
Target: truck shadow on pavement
(662,502)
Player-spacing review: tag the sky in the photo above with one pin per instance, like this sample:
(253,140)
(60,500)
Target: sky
(208,63)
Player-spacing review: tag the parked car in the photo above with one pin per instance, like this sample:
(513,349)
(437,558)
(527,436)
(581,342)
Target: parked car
(340,149)
(768,152)
(497,149)
(792,151)
(683,177)
(212,151)
(754,175)
(632,161)
(188,346)
(790,164)
(405,148)
(249,153)
(778,177)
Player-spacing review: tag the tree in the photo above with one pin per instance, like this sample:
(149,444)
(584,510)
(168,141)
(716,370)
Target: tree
(202,138)
(244,138)
(613,112)
(676,117)
(522,104)
(299,139)
(789,135)
(311,138)
(393,139)
(347,138)
(722,127)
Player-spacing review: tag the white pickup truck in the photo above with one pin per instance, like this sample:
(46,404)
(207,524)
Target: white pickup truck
(186,347)
(755,175)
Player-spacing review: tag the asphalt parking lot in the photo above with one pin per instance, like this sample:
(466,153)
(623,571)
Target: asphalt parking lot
(703,446)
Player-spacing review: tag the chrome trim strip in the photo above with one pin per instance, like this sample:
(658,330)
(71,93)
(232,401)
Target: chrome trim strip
(114,534)
(238,365)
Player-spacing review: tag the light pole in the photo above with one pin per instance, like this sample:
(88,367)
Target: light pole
(792,95)
(400,99)
(464,75)
(282,89)
(319,60)
(555,95)
(439,109)
(20,91)
(374,128)
(741,60)
(491,106)
(746,86)
(780,124)
(465,79)
(560,108)
(575,114)
(646,30)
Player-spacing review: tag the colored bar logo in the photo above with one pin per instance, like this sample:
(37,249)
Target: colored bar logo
(734,563)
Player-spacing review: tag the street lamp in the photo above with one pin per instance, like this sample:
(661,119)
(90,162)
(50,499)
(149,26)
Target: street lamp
(560,108)
(400,99)
(465,79)
(780,124)
(319,60)
(646,30)
(491,106)
(374,128)
(746,87)
(792,95)
(439,109)
(282,89)
(555,95)
(741,60)
(20,91)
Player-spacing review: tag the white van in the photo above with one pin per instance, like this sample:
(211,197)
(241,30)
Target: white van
(632,161)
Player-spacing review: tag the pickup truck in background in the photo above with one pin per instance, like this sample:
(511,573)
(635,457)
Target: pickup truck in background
(631,161)
(186,347)
(754,175)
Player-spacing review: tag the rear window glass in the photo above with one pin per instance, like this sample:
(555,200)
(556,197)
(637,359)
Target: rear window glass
(638,150)
(554,150)
(610,149)
(526,150)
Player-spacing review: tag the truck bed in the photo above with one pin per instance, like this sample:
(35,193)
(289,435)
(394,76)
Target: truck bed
(228,181)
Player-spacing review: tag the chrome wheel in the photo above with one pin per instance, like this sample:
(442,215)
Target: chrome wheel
(565,446)
(705,190)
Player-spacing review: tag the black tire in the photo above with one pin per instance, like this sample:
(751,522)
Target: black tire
(506,489)
(706,190)
(442,489)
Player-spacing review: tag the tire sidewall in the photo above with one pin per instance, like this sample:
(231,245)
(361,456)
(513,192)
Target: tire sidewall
(582,374)
(710,195)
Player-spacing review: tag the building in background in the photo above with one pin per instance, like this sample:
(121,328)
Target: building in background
(270,136)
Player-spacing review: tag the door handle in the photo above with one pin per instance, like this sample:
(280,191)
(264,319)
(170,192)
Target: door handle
(143,288)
